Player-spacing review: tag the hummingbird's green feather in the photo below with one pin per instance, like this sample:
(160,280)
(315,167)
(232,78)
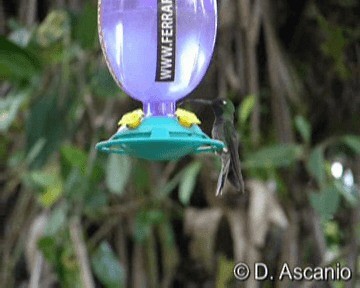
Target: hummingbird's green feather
(224,130)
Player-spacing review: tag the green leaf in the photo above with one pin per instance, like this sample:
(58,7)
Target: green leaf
(332,232)
(42,179)
(346,3)
(349,193)
(52,194)
(77,181)
(281,155)
(75,157)
(16,159)
(145,220)
(225,272)
(94,203)
(334,45)
(57,221)
(45,121)
(9,108)
(167,233)
(48,247)
(107,267)
(169,186)
(304,128)
(68,268)
(316,165)
(54,29)
(326,202)
(52,184)
(21,36)
(358,230)
(118,173)
(55,54)
(85,30)
(188,181)
(353,142)
(16,63)
(103,84)
(141,176)
(247,106)
(35,151)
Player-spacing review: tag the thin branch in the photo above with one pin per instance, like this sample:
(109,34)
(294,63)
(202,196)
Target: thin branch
(11,243)
(36,271)
(28,12)
(81,253)
(222,87)
(254,90)
(31,12)
(255,22)
(250,17)
(121,247)
(2,18)
(317,234)
(280,107)
(127,208)
(244,13)
(229,68)
(104,230)
(169,169)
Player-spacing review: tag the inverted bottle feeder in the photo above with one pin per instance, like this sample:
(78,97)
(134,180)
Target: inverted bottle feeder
(158,51)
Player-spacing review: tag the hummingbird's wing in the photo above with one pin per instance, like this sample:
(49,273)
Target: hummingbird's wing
(225,164)
(235,175)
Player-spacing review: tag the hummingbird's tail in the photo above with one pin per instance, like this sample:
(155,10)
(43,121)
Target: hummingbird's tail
(225,165)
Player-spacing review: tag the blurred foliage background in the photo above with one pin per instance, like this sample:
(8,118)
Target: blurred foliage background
(71,217)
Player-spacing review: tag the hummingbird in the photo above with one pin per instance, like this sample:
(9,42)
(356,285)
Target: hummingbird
(224,130)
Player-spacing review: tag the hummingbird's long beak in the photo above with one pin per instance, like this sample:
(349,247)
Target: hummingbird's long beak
(200,101)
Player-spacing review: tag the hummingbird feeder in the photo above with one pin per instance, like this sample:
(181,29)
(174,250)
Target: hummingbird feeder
(158,51)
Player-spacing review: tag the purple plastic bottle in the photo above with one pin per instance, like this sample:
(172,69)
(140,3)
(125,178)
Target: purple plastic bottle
(158,50)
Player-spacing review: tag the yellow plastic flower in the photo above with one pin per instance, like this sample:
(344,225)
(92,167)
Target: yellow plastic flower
(186,118)
(132,119)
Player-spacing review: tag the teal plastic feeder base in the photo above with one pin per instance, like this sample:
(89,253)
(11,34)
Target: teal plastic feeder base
(160,138)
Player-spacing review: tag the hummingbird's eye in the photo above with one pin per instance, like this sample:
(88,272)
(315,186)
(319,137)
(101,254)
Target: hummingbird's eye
(224,102)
